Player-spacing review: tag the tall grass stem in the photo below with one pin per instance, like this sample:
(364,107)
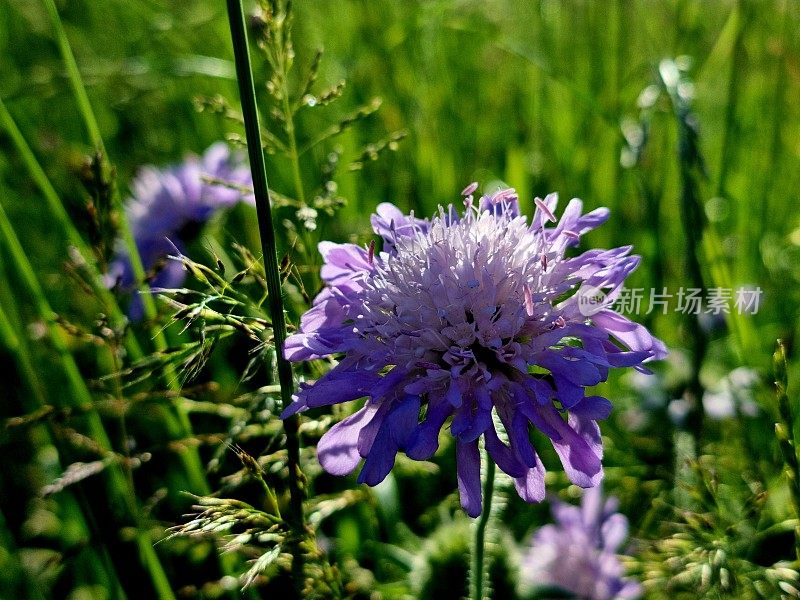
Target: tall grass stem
(80,396)
(74,77)
(785,432)
(252,124)
(190,458)
(58,212)
(93,129)
(17,345)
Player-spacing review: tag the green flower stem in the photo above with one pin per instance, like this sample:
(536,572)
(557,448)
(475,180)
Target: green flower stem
(281,61)
(726,158)
(714,252)
(8,335)
(479,570)
(261,190)
(78,394)
(294,157)
(776,154)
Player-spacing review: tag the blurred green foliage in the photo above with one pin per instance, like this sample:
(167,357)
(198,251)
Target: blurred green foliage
(542,96)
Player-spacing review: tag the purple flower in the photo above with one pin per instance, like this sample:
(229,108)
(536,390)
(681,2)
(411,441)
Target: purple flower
(165,206)
(578,553)
(481,319)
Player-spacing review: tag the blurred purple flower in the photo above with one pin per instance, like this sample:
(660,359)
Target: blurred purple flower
(463,315)
(166,204)
(578,552)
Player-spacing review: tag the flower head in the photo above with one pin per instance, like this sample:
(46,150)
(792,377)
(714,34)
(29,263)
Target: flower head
(167,203)
(578,552)
(480,318)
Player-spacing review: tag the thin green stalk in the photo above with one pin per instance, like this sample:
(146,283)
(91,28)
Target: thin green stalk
(294,153)
(620,41)
(784,431)
(247,95)
(727,147)
(280,59)
(88,116)
(702,238)
(8,335)
(693,226)
(294,156)
(189,457)
(74,76)
(59,213)
(479,570)
(17,582)
(80,396)
(20,350)
(776,154)
(109,303)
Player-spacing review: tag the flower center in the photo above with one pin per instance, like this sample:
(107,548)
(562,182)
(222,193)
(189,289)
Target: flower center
(460,291)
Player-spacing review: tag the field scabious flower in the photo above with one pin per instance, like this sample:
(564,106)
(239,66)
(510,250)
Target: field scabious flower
(578,552)
(166,204)
(466,317)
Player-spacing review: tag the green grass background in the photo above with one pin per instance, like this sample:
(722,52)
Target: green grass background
(531,94)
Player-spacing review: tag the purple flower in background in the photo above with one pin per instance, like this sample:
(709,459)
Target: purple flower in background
(470,317)
(578,552)
(167,203)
